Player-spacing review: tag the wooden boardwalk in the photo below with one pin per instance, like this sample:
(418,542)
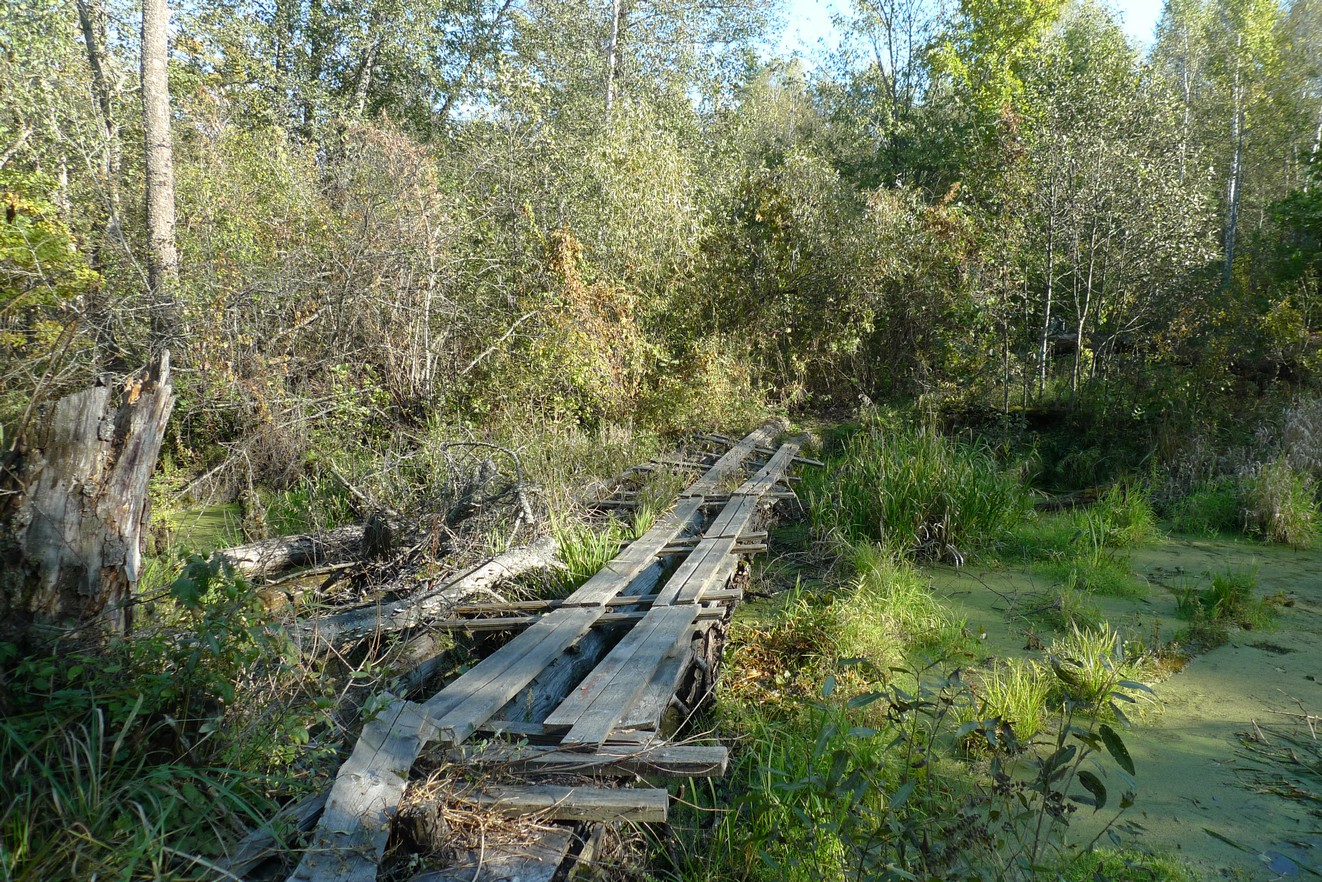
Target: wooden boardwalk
(584,687)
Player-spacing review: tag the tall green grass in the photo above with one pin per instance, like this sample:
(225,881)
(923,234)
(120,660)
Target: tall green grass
(913,490)
(85,799)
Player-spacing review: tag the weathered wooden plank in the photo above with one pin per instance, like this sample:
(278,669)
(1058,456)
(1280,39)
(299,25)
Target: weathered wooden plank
(612,579)
(473,698)
(550,687)
(513,623)
(355,825)
(607,804)
(765,478)
(684,760)
(731,460)
(536,732)
(698,570)
(616,695)
(268,839)
(648,709)
(621,657)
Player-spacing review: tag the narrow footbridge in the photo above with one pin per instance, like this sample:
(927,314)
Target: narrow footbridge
(582,700)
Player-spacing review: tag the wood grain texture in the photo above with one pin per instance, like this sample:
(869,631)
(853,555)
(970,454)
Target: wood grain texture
(592,710)
(607,804)
(355,825)
(477,695)
(684,760)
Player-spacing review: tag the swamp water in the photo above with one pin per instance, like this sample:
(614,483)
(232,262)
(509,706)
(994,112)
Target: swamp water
(1229,774)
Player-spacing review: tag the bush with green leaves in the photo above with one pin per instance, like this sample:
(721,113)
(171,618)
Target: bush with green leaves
(870,785)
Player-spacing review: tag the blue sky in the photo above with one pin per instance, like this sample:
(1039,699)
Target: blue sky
(809,21)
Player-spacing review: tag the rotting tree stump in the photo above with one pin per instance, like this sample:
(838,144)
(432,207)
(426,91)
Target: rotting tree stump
(75,507)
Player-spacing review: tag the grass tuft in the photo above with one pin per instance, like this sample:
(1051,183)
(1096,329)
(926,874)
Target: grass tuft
(914,491)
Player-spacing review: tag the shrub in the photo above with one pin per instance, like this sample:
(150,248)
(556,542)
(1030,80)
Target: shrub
(1092,668)
(1015,691)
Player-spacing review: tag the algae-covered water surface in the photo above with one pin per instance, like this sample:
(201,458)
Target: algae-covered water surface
(1229,769)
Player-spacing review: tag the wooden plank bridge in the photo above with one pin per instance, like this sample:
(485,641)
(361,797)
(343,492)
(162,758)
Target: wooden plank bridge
(584,688)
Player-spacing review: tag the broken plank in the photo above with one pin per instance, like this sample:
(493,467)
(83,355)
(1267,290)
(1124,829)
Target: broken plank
(355,825)
(472,699)
(607,804)
(681,760)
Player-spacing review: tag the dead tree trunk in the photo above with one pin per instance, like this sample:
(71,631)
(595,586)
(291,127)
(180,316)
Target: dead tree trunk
(74,506)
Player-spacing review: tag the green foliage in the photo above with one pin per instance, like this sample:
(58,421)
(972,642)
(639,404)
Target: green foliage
(822,796)
(1281,505)
(584,549)
(83,798)
(1213,507)
(44,276)
(127,760)
(1092,667)
(914,491)
(1229,601)
(1125,866)
(891,612)
(1016,691)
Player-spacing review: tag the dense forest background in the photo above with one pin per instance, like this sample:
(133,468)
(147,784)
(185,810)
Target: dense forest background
(409,213)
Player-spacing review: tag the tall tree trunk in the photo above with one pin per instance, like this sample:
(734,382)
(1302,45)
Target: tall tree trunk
(163,260)
(1082,306)
(75,506)
(618,13)
(366,69)
(91,20)
(1233,184)
(1044,341)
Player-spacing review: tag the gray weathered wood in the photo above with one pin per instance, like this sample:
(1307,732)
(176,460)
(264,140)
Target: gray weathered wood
(607,804)
(537,861)
(478,694)
(514,623)
(355,825)
(271,557)
(593,712)
(648,709)
(411,612)
(682,760)
(266,840)
(732,459)
(76,507)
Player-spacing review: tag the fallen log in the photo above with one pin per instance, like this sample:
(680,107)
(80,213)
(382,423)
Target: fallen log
(271,557)
(413,611)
